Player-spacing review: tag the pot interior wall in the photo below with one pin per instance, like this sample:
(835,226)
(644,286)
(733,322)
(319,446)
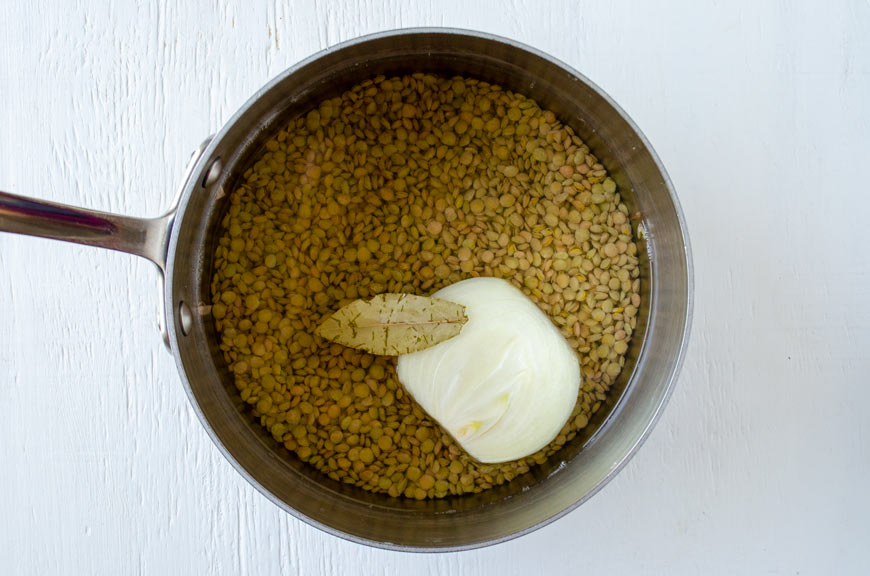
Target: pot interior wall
(569,476)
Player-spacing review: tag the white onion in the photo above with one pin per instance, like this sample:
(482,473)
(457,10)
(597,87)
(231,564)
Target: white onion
(505,386)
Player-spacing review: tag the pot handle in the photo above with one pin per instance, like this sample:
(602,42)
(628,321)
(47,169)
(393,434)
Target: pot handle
(145,237)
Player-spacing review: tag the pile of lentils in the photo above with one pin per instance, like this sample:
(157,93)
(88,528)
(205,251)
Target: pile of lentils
(410,184)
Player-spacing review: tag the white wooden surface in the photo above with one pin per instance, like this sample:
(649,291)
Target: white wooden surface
(760,111)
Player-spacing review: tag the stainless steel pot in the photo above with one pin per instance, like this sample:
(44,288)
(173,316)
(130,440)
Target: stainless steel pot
(181,244)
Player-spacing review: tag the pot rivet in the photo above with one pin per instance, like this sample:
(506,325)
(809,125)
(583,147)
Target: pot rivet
(185,317)
(211,175)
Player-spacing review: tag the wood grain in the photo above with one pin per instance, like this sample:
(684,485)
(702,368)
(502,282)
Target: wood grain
(758,109)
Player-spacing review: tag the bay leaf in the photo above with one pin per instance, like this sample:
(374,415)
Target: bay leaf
(394,324)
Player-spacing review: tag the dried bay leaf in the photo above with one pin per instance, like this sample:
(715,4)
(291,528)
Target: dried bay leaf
(394,324)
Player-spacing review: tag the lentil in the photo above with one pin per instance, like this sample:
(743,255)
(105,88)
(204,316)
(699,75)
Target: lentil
(411,184)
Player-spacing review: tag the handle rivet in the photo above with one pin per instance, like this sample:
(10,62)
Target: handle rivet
(213,172)
(185,317)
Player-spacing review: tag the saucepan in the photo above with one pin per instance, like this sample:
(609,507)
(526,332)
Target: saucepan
(181,244)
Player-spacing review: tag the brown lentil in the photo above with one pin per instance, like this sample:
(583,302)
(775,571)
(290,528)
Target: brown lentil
(411,184)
